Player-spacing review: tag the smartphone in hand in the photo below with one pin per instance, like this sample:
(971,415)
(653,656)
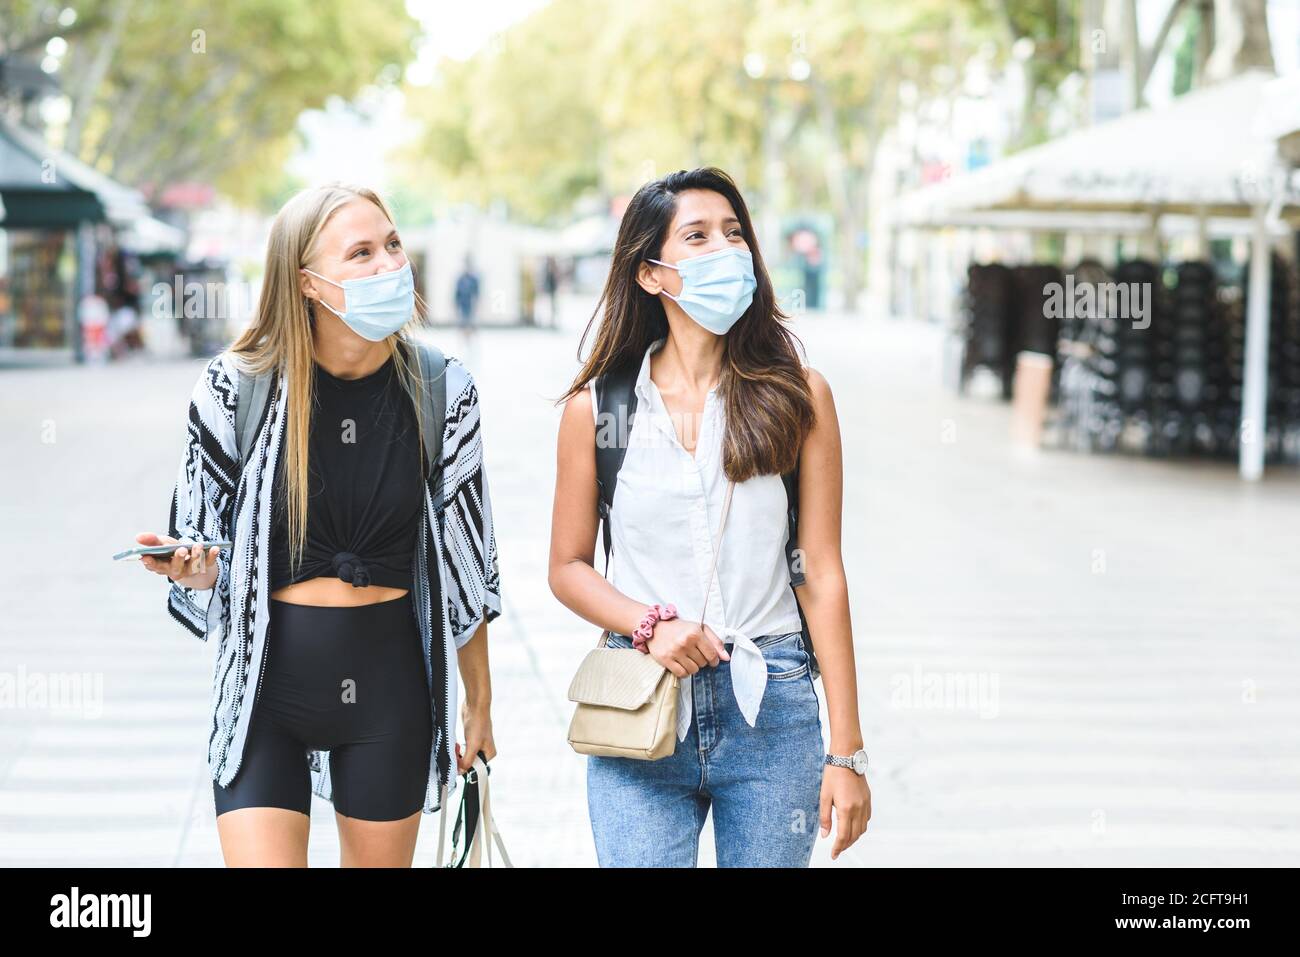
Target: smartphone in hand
(166,549)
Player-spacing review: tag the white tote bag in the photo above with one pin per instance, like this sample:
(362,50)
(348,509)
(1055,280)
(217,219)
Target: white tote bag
(474,822)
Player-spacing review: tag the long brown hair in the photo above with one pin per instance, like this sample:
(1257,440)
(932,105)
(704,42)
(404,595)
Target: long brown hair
(763,386)
(280,336)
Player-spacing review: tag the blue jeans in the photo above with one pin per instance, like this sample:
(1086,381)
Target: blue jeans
(764,783)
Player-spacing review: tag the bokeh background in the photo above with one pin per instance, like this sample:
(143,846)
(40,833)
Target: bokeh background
(1045,252)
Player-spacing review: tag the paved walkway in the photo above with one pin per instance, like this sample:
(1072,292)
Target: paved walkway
(1062,660)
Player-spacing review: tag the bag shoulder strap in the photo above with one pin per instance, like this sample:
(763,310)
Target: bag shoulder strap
(722,525)
(615,404)
(615,392)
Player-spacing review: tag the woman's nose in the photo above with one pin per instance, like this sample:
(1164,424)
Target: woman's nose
(719,241)
(390,261)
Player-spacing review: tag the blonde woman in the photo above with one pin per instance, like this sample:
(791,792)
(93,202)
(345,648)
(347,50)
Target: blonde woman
(360,575)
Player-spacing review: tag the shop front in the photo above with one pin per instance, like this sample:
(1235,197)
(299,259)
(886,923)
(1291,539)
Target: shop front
(45,231)
(54,215)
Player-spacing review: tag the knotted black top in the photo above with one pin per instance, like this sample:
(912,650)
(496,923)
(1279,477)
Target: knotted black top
(365,493)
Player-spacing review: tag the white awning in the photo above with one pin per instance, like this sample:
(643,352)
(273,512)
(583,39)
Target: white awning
(122,204)
(148,235)
(1230,149)
(1210,152)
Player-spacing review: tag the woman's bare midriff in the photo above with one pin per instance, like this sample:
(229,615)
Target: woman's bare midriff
(335,592)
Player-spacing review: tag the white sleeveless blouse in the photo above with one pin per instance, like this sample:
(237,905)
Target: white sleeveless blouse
(663,526)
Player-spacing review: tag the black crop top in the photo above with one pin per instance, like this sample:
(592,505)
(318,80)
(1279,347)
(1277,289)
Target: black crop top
(365,492)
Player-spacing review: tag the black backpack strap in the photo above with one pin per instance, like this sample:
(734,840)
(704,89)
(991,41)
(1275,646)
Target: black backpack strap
(433,371)
(793,559)
(791,480)
(615,407)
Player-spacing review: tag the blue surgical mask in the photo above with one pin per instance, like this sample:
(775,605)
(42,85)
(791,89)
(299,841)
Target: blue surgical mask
(374,307)
(717,287)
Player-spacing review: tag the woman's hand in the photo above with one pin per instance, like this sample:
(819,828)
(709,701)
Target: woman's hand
(846,791)
(478,736)
(188,565)
(684,647)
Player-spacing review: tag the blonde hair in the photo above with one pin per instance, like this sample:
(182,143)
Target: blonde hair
(280,336)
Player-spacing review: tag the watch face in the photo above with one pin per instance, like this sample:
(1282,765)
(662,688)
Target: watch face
(860,762)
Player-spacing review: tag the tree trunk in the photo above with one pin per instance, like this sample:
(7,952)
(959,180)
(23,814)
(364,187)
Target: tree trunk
(1147,62)
(91,81)
(1241,40)
(847,183)
(1204,40)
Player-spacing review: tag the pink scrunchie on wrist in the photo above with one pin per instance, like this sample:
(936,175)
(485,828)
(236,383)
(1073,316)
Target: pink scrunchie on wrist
(645,630)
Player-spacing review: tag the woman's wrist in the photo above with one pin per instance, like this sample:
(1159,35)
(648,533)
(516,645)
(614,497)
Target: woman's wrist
(199,581)
(644,630)
(846,743)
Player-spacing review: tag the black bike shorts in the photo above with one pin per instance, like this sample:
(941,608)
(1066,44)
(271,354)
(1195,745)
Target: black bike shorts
(350,680)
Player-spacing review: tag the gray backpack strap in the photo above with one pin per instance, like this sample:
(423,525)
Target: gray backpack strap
(249,404)
(433,370)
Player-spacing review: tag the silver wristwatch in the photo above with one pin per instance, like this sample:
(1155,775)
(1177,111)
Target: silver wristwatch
(857,761)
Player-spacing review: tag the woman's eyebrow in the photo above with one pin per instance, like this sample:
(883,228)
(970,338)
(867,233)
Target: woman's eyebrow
(702,222)
(365,242)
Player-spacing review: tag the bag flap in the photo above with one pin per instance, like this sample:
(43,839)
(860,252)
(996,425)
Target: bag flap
(616,678)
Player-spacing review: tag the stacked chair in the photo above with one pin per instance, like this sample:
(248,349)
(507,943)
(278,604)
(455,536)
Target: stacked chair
(1187,395)
(1170,386)
(1283,404)
(989,320)
(1087,355)
(1005,313)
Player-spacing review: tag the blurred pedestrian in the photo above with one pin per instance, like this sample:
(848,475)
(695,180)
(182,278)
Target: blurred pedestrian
(93,320)
(123,326)
(467,293)
(551,286)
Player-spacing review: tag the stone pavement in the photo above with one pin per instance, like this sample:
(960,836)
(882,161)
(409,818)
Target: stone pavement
(1061,659)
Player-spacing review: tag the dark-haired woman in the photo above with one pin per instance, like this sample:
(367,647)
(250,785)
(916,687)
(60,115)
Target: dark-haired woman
(724,409)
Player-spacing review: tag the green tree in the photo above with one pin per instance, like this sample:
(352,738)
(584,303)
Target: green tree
(588,98)
(517,122)
(190,90)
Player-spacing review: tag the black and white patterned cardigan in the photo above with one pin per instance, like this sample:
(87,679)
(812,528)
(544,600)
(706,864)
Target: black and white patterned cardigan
(214,501)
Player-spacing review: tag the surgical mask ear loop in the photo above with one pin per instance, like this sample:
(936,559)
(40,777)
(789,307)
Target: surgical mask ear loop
(670,266)
(322,301)
(319,276)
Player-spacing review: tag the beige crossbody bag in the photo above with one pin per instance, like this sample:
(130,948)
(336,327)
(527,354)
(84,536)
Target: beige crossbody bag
(627,701)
